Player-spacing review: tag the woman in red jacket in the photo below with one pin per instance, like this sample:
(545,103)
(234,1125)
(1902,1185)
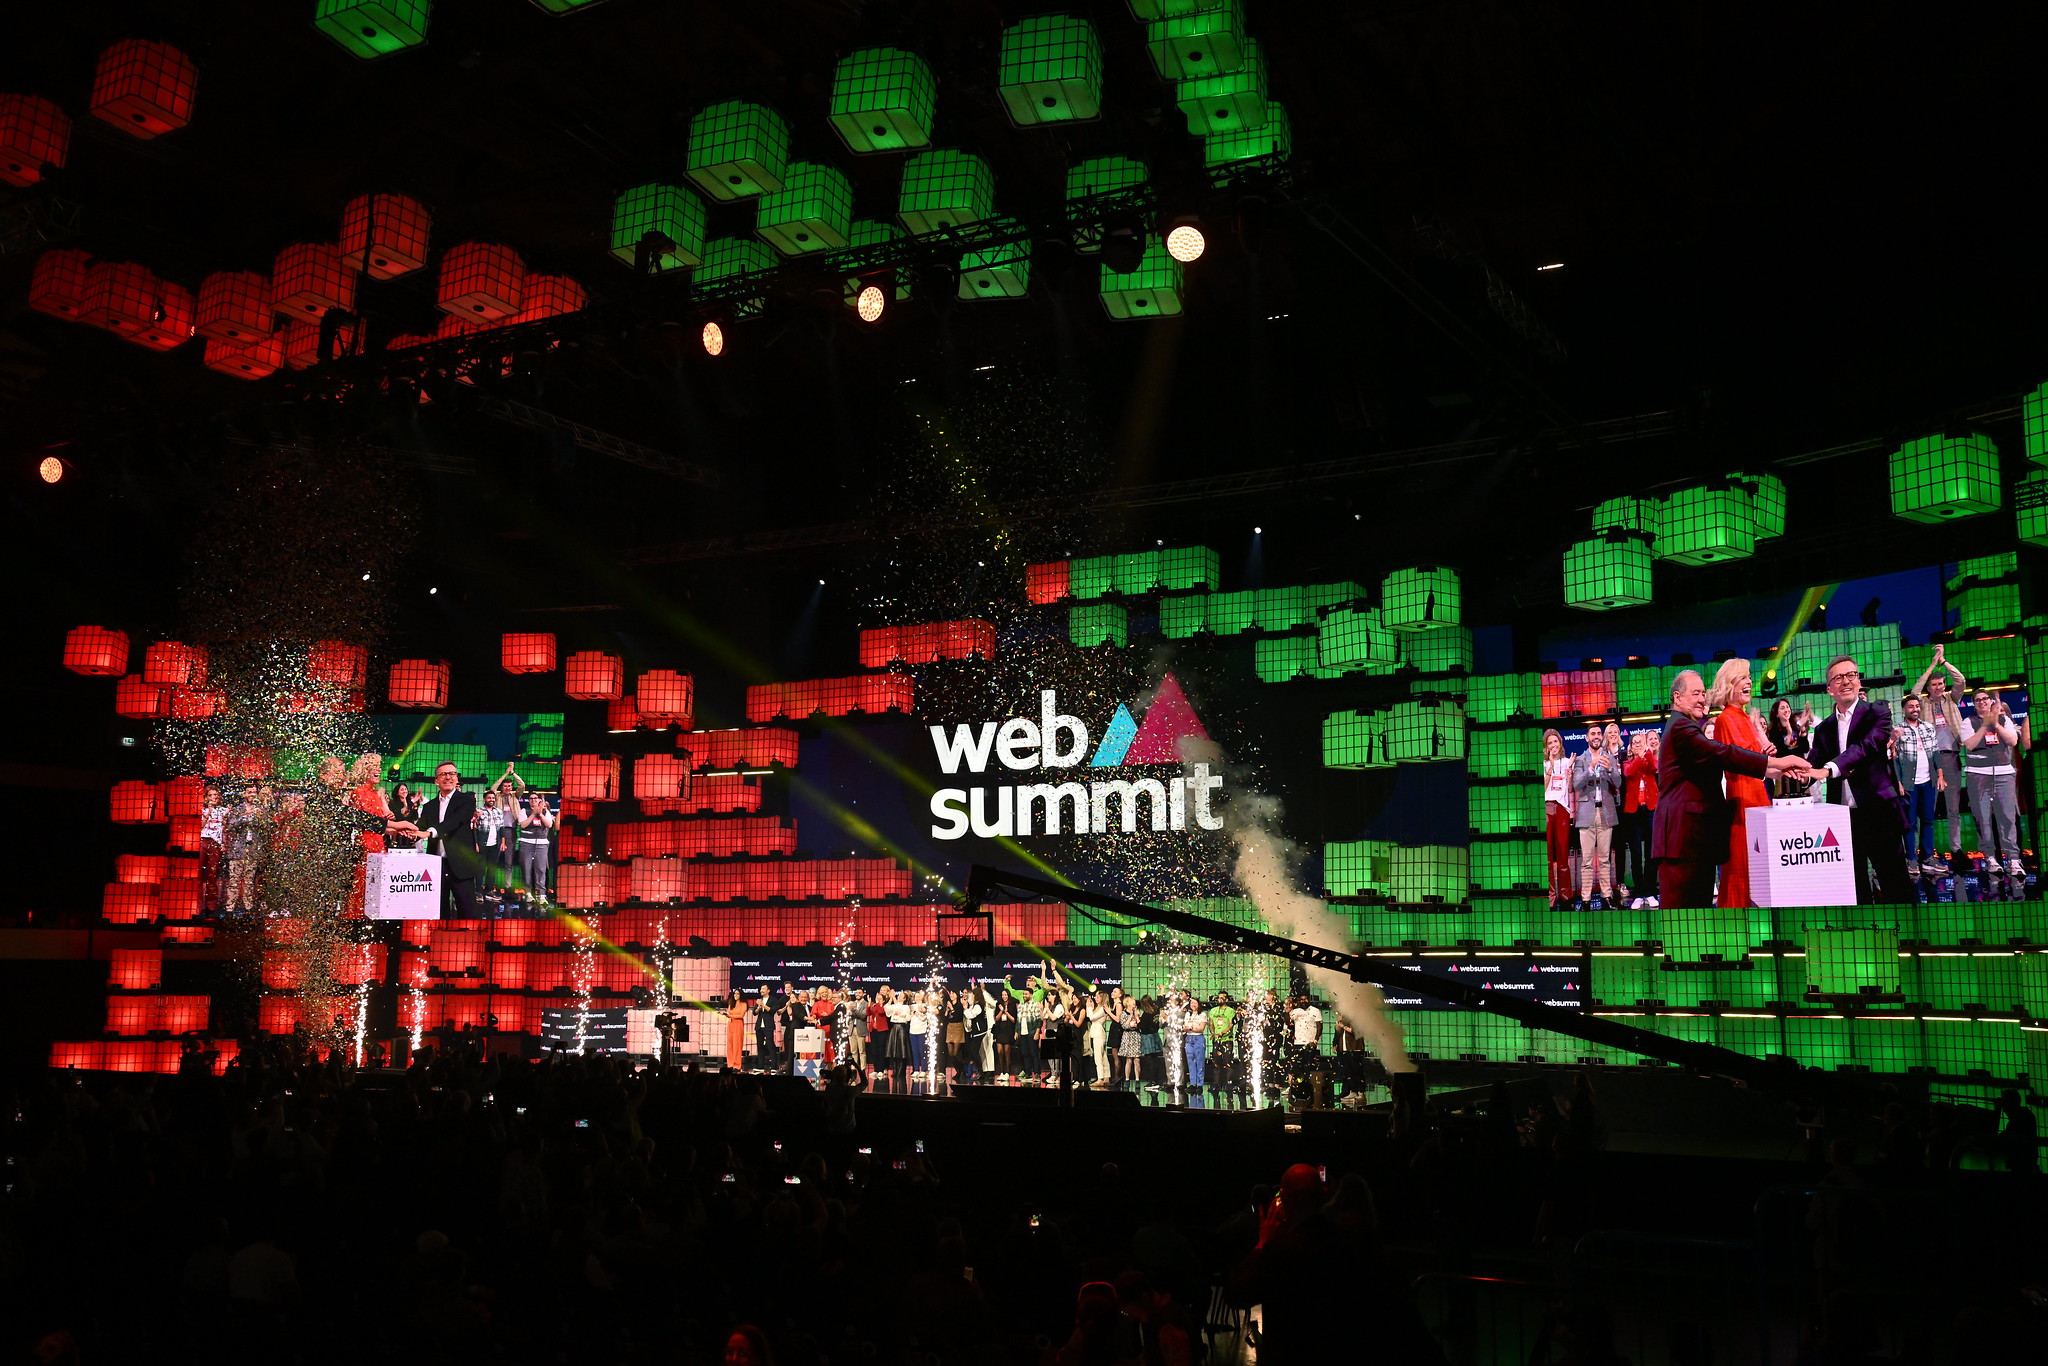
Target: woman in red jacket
(1638,808)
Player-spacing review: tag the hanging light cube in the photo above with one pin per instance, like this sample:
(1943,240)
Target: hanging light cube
(385,235)
(1050,70)
(1941,478)
(2033,424)
(338,664)
(2030,508)
(813,211)
(1199,43)
(999,272)
(550,296)
(370,29)
(308,278)
(1608,572)
(1430,873)
(882,100)
(670,210)
(1104,175)
(120,296)
(1273,139)
(34,134)
(300,341)
(60,282)
(234,306)
(1449,650)
(1629,513)
(943,190)
(1356,739)
(591,777)
(1421,599)
(1767,502)
(1194,566)
(420,683)
(738,150)
(1044,583)
(1349,637)
(173,664)
(527,652)
(481,281)
(252,360)
(194,704)
(1227,102)
(170,322)
(1153,290)
(96,652)
(144,89)
(1098,623)
(1426,731)
(1707,525)
(140,701)
(730,258)
(665,697)
(594,676)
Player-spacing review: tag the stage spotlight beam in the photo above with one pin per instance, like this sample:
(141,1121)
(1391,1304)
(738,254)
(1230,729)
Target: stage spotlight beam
(713,337)
(871,303)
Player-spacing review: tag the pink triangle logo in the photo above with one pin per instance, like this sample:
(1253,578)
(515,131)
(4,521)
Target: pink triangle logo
(1169,720)
(1831,842)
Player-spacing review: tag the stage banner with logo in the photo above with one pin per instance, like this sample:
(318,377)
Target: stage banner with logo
(1800,854)
(402,885)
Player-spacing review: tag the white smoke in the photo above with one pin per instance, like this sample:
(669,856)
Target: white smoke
(1251,821)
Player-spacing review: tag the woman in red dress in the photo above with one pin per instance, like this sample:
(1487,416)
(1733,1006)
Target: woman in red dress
(1728,700)
(736,1032)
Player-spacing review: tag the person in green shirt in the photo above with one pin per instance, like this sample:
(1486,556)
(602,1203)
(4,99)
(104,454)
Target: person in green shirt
(1222,1066)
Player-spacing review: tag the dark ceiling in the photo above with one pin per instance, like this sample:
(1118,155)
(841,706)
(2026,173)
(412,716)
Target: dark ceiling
(1781,229)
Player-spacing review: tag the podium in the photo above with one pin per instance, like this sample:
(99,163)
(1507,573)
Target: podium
(810,1051)
(1800,854)
(402,884)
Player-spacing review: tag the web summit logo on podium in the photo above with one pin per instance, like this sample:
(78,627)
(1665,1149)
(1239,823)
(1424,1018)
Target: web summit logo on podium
(410,880)
(1053,740)
(1797,851)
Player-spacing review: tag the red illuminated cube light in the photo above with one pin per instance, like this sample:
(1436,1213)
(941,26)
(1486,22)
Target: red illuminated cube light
(527,652)
(34,133)
(385,235)
(145,89)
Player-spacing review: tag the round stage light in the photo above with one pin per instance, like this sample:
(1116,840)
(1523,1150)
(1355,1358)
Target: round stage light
(870,303)
(52,469)
(714,339)
(1186,243)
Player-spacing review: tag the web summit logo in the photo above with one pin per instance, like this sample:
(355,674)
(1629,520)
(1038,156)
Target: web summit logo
(1797,851)
(410,880)
(1075,808)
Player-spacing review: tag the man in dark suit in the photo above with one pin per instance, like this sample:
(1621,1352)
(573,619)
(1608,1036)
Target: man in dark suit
(1849,750)
(1689,835)
(448,820)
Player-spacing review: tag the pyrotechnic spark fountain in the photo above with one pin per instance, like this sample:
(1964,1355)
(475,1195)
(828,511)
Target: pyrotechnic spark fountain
(933,1039)
(582,965)
(842,962)
(1251,1033)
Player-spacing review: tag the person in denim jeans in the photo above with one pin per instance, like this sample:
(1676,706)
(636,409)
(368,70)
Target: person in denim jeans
(1913,760)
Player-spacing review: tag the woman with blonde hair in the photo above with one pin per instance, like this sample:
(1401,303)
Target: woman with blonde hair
(1728,700)
(1557,816)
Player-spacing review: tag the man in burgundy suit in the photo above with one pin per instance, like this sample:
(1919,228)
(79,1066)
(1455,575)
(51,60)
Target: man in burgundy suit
(1689,835)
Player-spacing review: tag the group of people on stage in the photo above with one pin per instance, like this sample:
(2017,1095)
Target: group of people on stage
(1895,776)
(505,843)
(1046,1032)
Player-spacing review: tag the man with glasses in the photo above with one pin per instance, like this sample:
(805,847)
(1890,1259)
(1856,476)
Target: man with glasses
(448,821)
(1850,749)
(1689,832)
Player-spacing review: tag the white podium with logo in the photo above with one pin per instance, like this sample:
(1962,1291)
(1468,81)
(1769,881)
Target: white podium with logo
(402,884)
(1800,854)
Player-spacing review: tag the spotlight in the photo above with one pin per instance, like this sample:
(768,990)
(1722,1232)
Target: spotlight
(1258,531)
(713,337)
(51,469)
(366,578)
(870,303)
(1185,241)
(821,583)
(432,591)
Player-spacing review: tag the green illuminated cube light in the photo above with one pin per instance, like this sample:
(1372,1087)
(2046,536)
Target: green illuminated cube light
(1343,593)
(1356,739)
(541,744)
(2034,424)
(1104,175)
(1504,753)
(1983,568)
(1098,623)
(1181,617)
(1050,70)
(1608,572)
(943,190)
(813,211)
(2030,507)
(1153,290)
(1353,636)
(1281,659)
(1767,502)
(1940,478)
(1000,272)
(1194,566)
(1490,809)
(1449,650)
(1228,102)
(1144,11)
(1504,865)
(1421,599)
(1280,609)
(1695,935)
(728,257)
(1136,571)
(738,150)
(1707,525)
(1198,43)
(667,209)
(1852,962)
(1091,576)
(1426,731)
(1231,613)
(1358,868)
(374,28)
(1271,139)
(1503,697)
(1430,873)
(1629,513)
(1987,607)
(882,100)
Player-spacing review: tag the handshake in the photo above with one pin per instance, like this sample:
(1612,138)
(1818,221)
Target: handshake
(1791,766)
